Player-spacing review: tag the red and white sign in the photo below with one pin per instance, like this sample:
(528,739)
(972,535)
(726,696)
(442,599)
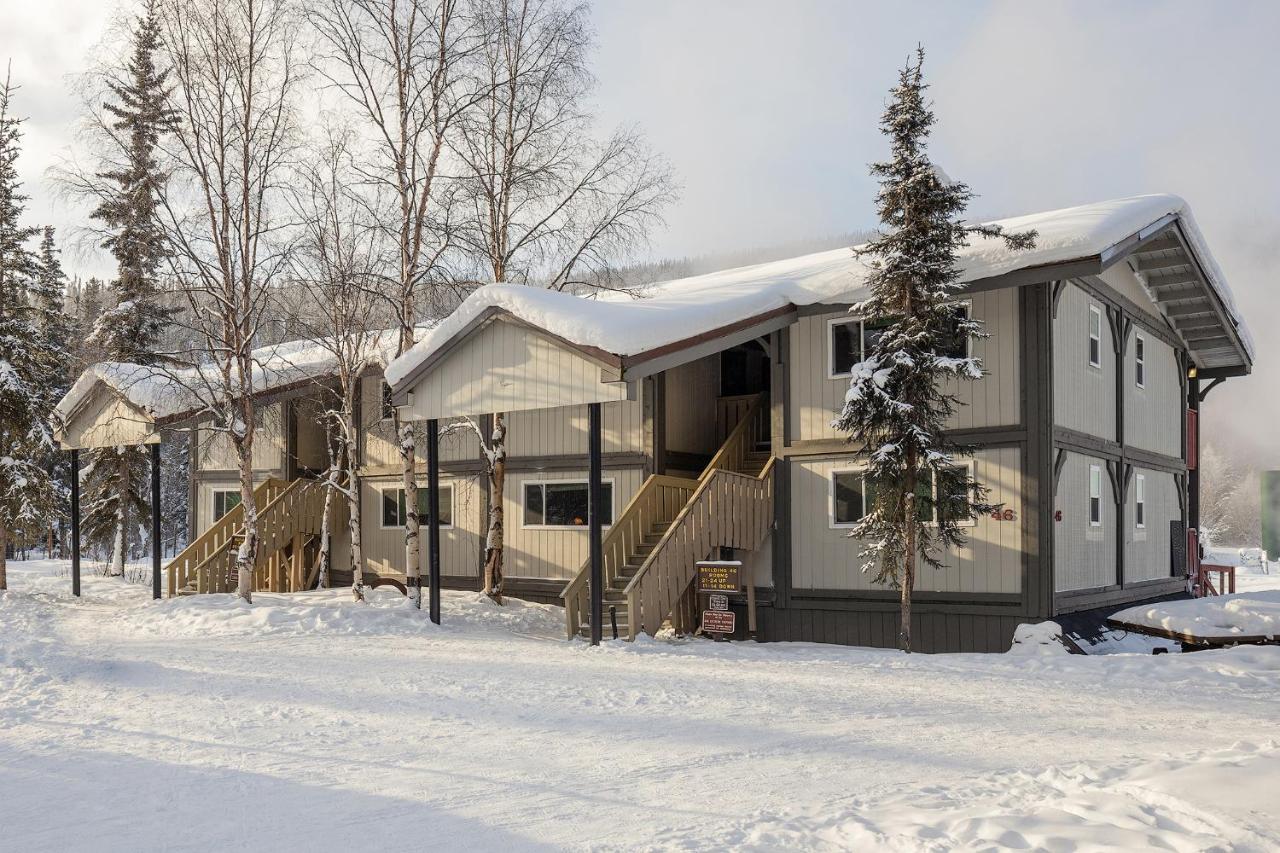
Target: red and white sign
(717,621)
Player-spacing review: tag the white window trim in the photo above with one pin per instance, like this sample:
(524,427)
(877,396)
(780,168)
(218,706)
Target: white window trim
(1139,361)
(383,488)
(831,350)
(1098,470)
(613,504)
(1095,311)
(213,502)
(861,470)
(1140,497)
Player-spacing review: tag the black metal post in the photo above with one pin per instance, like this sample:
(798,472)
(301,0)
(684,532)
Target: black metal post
(433,521)
(1193,476)
(155,520)
(595,500)
(75,522)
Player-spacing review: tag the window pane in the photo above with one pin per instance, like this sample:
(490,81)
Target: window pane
(392,503)
(847,491)
(446,505)
(955,340)
(952,484)
(533,504)
(566,504)
(924,494)
(1095,510)
(844,346)
(1095,351)
(224,502)
(387,408)
(872,331)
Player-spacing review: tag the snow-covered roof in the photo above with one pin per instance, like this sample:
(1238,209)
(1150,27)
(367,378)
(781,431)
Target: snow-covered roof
(674,311)
(166,392)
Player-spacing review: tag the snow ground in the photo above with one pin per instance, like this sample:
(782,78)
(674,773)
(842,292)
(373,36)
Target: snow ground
(307,722)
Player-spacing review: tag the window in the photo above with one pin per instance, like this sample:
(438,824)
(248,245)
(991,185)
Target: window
(388,410)
(852,497)
(1095,336)
(1095,496)
(395,515)
(1139,501)
(224,500)
(563,503)
(850,341)
(1140,361)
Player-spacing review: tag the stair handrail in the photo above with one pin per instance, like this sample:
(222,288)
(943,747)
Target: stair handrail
(734,450)
(213,540)
(713,478)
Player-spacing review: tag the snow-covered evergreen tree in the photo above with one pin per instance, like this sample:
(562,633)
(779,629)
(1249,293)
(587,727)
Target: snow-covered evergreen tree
(26,496)
(916,493)
(56,329)
(116,489)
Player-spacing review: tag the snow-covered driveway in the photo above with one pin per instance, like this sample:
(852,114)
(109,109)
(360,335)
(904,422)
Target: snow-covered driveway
(306,722)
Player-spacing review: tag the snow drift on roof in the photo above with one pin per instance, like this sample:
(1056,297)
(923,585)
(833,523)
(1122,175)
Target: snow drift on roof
(164,392)
(676,310)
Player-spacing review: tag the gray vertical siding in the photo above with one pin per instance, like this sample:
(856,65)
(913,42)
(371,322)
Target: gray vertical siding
(691,391)
(379,439)
(994,400)
(1153,413)
(1147,554)
(1084,556)
(826,558)
(1084,397)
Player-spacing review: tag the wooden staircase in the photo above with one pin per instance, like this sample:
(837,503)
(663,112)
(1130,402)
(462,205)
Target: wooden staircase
(289,524)
(670,524)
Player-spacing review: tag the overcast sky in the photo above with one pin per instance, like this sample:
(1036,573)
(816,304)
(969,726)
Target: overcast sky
(768,113)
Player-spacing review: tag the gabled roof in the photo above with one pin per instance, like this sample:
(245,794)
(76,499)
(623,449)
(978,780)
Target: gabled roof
(672,315)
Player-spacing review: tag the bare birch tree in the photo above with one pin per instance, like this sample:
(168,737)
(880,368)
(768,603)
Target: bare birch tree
(547,204)
(402,64)
(336,265)
(234,71)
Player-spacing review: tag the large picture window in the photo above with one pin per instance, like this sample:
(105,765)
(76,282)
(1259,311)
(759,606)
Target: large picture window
(224,500)
(394,513)
(849,341)
(563,503)
(852,497)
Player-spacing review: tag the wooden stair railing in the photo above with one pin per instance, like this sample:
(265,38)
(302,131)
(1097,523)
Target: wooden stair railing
(290,514)
(678,507)
(181,569)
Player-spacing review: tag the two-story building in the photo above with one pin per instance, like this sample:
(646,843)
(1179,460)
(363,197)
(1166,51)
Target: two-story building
(716,396)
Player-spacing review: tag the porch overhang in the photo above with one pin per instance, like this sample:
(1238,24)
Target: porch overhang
(103,418)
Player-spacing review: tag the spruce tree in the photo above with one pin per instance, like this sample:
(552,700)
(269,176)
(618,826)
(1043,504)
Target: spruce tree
(26,497)
(48,297)
(132,330)
(916,492)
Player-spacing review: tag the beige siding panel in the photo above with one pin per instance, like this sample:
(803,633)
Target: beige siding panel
(310,449)
(1084,557)
(107,421)
(1125,282)
(204,498)
(1084,397)
(505,367)
(994,400)
(379,437)
(563,431)
(459,543)
(1153,413)
(217,454)
(554,553)
(824,557)
(691,391)
(1147,554)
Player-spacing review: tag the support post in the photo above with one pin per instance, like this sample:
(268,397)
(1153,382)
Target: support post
(595,497)
(155,520)
(75,522)
(1193,474)
(433,519)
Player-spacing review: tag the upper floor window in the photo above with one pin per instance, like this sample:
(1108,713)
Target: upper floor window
(388,408)
(1140,361)
(1139,501)
(564,503)
(852,497)
(224,500)
(850,341)
(1095,336)
(1095,495)
(394,513)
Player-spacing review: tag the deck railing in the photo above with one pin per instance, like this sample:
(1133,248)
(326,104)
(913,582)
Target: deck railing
(182,568)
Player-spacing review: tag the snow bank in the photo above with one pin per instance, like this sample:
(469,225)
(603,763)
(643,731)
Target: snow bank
(1040,638)
(1245,614)
(333,612)
(675,310)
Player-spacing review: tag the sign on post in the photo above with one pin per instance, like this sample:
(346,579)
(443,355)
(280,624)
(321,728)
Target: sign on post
(719,601)
(718,621)
(719,576)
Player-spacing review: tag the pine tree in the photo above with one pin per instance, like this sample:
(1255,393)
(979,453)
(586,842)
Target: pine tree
(132,330)
(48,295)
(916,493)
(25,439)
